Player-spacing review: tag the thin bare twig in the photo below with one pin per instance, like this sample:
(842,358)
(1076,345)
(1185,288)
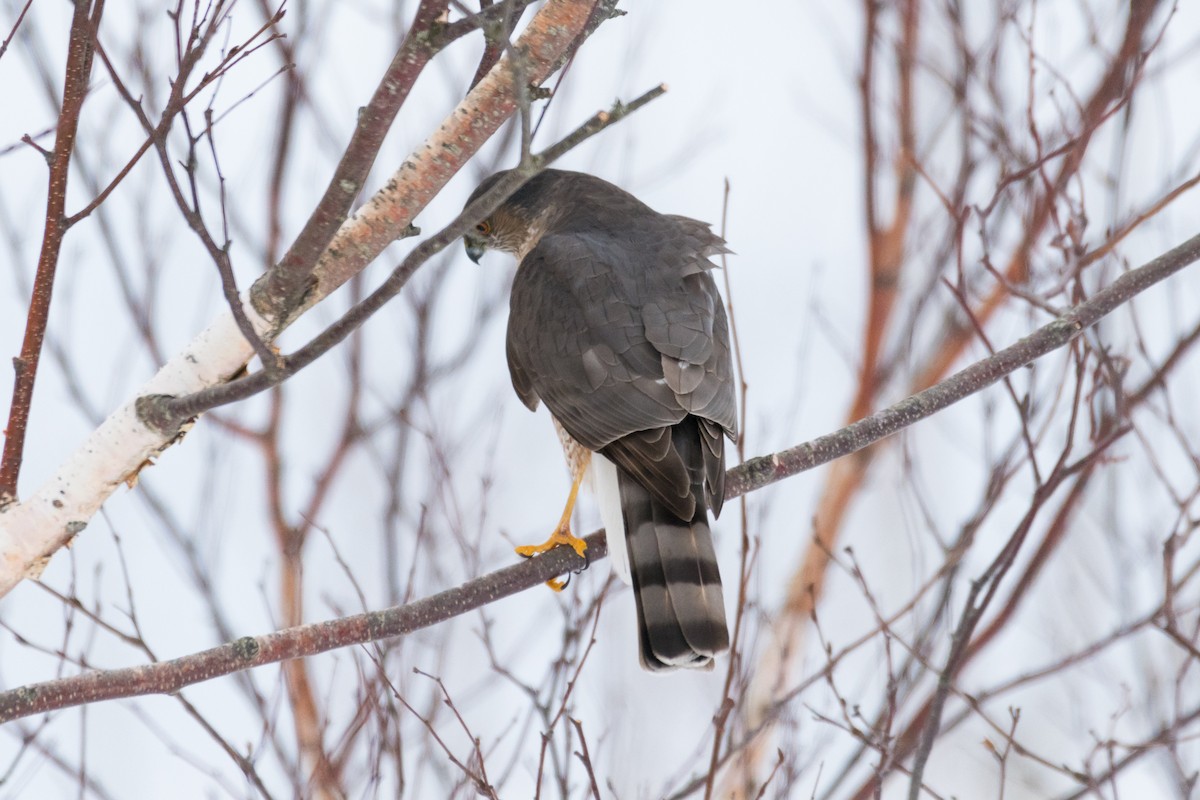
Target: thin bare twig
(764,470)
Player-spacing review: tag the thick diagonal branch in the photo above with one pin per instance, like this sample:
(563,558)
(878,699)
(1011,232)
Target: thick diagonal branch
(167,413)
(33,530)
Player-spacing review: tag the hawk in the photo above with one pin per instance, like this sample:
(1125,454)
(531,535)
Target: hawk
(616,325)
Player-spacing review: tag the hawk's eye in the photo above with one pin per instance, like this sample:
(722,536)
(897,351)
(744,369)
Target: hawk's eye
(484,227)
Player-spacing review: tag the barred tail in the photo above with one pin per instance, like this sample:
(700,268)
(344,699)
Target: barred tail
(676,582)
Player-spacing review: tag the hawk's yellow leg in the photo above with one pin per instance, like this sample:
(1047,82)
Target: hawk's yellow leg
(562,533)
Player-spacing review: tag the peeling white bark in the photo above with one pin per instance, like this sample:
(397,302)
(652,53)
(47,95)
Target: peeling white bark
(32,530)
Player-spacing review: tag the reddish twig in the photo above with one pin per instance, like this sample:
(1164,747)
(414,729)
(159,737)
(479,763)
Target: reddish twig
(78,70)
(188,59)
(20,18)
(198,41)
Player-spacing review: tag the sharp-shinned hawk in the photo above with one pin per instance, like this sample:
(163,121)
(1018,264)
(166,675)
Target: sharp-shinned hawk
(616,325)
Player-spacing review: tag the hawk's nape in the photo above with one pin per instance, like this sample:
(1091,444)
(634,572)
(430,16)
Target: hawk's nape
(616,325)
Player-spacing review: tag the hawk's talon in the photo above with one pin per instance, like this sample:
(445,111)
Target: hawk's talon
(558,537)
(558,586)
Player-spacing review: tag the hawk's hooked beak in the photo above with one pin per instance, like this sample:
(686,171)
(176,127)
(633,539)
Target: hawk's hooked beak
(475,247)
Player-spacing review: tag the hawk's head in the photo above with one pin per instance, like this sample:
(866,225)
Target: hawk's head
(518,222)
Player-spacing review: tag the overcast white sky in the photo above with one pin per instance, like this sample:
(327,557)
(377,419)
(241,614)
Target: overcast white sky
(760,94)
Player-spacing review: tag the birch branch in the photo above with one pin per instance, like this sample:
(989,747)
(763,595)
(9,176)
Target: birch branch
(32,530)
